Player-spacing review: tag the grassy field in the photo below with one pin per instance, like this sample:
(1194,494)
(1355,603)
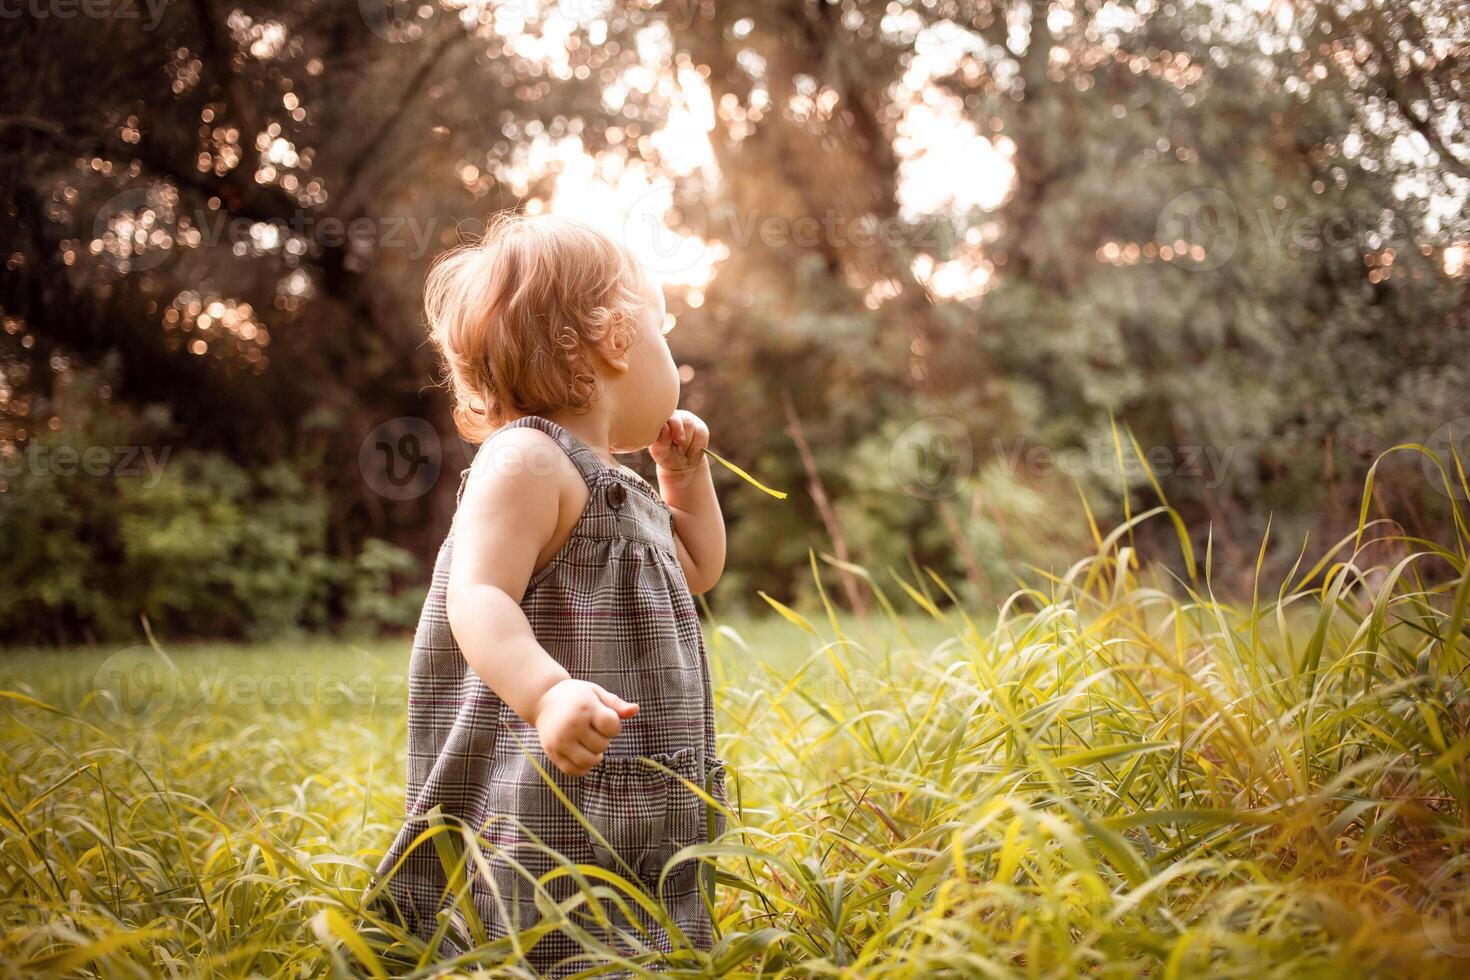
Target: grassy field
(1110,776)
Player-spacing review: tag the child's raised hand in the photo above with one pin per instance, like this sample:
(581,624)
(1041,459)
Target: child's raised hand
(576,720)
(681,442)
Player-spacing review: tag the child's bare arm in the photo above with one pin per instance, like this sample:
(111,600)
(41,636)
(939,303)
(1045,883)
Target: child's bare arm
(686,485)
(509,513)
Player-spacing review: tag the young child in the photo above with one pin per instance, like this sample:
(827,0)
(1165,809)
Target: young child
(559,646)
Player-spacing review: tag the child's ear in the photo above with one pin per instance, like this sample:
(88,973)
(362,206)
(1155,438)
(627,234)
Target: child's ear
(615,350)
(616,358)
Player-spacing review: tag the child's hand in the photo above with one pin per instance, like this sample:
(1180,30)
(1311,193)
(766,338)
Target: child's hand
(681,443)
(688,490)
(576,720)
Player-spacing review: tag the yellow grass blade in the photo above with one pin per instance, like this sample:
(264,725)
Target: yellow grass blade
(778,494)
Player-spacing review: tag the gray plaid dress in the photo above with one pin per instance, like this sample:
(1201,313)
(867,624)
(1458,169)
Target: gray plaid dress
(611,607)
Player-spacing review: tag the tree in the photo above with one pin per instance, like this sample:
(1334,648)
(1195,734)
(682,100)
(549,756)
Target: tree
(266,183)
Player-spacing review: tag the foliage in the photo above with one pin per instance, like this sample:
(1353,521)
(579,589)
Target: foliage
(1115,775)
(1328,138)
(100,530)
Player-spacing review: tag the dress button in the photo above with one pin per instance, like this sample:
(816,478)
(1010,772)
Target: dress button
(615,495)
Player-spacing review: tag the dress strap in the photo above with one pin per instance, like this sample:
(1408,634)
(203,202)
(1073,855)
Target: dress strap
(588,463)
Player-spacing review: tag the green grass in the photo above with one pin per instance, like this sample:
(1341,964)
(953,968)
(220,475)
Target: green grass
(1110,776)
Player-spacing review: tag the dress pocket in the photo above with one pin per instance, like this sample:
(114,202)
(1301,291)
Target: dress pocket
(644,814)
(691,819)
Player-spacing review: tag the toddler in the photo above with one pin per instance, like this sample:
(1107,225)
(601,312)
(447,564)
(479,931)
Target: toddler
(558,658)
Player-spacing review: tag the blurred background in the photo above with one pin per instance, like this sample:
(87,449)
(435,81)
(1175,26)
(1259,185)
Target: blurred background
(925,260)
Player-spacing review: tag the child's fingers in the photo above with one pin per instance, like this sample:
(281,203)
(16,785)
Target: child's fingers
(577,757)
(624,709)
(693,435)
(594,741)
(666,442)
(605,722)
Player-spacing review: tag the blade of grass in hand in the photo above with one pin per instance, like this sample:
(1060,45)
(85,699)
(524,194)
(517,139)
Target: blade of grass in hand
(778,494)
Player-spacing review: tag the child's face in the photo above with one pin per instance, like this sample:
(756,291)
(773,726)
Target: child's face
(647,393)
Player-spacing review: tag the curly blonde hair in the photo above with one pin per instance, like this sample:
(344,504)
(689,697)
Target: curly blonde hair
(519,315)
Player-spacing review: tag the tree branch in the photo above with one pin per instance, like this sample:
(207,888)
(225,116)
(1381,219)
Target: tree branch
(219,49)
(351,191)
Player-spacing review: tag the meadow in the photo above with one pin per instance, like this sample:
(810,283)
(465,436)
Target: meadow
(1110,775)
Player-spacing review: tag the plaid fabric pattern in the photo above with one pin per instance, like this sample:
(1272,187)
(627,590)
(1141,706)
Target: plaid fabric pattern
(611,607)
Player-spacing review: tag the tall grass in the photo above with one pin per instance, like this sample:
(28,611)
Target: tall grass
(1113,774)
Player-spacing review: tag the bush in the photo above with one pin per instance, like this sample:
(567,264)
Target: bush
(93,538)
